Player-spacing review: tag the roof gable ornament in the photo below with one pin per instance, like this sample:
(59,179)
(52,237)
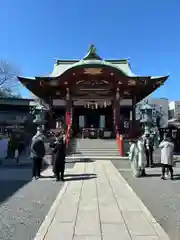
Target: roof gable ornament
(92,54)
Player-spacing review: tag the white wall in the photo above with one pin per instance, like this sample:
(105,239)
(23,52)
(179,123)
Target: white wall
(177,108)
(172,105)
(174,108)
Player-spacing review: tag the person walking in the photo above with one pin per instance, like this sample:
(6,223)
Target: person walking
(148,144)
(37,154)
(167,149)
(59,151)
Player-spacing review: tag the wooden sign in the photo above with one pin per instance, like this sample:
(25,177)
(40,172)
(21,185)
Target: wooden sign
(93,71)
(131,83)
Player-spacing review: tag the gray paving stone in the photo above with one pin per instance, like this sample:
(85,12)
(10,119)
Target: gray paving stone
(138,224)
(115,231)
(87,238)
(145,238)
(88,223)
(60,230)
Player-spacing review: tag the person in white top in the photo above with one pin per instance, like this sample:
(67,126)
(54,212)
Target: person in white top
(137,157)
(167,149)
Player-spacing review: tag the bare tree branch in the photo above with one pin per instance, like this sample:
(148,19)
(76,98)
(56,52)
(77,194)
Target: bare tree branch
(8,75)
(8,80)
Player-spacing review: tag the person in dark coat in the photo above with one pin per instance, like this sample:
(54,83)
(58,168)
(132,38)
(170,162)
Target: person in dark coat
(37,154)
(59,151)
(52,146)
(20,148)
(149,148)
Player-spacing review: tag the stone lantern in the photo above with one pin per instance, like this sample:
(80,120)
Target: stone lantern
(40,115)
(147,117)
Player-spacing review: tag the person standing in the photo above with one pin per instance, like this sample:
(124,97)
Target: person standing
(20,149)
(52,146)
(141,157)
(167,149)
(59,151)
(148,144)
(137,158)
(37,154)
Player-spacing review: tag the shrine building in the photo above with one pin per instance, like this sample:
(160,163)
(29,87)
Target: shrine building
(97,93)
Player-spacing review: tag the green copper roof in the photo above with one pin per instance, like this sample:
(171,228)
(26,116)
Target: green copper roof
(91,58)
(92,55)
(122,66)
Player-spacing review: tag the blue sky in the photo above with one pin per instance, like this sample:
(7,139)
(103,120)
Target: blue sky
(35,32)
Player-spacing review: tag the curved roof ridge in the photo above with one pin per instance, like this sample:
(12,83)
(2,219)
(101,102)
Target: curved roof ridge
(82,62)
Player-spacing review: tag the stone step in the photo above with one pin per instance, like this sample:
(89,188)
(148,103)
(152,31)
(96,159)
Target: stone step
(94,157)
(98,153)
(97,149)
(96,145)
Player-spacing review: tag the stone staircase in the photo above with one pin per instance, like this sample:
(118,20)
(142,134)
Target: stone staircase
(95,149)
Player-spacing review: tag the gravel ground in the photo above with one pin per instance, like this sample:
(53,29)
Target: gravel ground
(24,203)
(161,197)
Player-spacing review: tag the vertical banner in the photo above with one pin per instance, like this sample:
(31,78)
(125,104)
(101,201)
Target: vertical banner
(68,118)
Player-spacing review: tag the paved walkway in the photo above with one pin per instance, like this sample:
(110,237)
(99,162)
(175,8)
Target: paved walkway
(99,205)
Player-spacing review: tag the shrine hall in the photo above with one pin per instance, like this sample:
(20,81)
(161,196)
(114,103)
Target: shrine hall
(98,94)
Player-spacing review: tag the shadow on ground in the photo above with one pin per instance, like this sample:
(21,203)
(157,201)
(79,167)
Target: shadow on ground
(13,177)
(151,175)
(9,187)
(82,160)
(79,177)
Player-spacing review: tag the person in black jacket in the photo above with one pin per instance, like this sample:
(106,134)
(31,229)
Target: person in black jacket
(20,149)
(59,151)
(149,144)
(37,154)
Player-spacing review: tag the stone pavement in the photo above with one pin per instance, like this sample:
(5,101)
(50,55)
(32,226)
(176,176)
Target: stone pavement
(98,204)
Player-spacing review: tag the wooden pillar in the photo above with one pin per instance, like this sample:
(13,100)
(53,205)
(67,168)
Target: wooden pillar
(68,113)
(117,111)
(133,125)
(134,108)
(50,113)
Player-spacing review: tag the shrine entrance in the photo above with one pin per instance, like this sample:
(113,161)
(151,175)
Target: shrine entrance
(86,120)
(92,118)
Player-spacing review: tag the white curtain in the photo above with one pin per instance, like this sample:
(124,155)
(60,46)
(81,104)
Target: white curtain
(102,121)
(81,121)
